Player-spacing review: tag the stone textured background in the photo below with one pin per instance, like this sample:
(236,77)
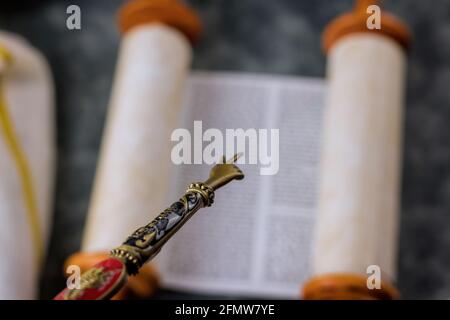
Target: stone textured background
(280,37)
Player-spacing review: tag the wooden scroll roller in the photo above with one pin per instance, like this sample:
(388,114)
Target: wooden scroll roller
(144,109)
(361,155)
(346,287)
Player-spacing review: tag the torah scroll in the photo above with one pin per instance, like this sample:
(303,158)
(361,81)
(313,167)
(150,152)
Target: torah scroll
(356,230)
(133,168)
(27,156)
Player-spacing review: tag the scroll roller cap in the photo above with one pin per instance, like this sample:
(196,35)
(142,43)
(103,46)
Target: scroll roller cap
(169,12)
(356,22)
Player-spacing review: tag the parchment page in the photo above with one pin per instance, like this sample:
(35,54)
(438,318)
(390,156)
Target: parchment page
(256,238)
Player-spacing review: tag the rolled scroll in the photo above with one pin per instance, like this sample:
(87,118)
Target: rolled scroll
(27,156)
(356,230)
(133,170)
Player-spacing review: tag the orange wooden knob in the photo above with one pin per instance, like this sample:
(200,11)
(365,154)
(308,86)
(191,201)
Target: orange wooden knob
(346,287)
(141,286)
(170,12)
(356,22)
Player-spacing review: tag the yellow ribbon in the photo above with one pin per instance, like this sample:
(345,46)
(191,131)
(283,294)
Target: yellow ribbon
(5,55)
(22,166)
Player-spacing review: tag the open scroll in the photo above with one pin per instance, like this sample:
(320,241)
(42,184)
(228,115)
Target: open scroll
(256,240)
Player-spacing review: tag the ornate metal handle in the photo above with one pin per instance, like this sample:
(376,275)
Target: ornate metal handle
(146,242)
(107,277)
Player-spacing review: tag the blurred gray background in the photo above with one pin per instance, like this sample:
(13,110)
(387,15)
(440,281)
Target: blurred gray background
(281,37)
